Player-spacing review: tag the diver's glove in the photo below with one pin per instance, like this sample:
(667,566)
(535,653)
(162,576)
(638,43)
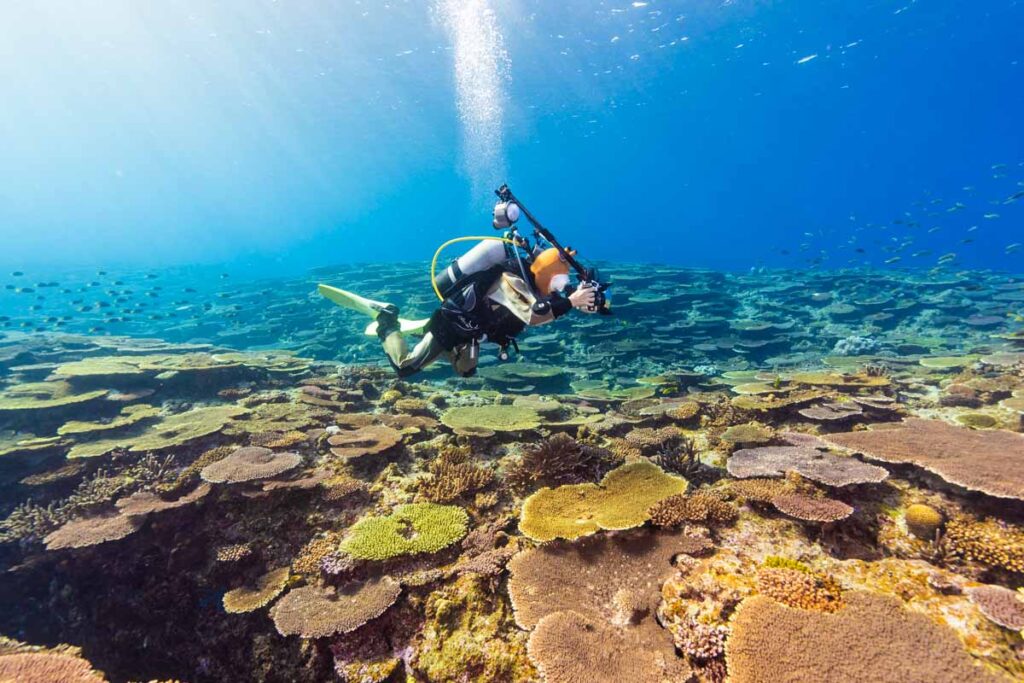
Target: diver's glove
(584,298)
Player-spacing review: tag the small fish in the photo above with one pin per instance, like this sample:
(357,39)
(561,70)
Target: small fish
(804,60)
(990,216)
(946,258)
(1010,248)
(918,254)
(17,273)
(935,229)
(894,259)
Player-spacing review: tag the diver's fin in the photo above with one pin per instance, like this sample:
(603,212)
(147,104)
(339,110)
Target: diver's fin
(367,307)
(408,327)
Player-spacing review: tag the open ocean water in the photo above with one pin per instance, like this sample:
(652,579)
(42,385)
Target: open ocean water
(792,450)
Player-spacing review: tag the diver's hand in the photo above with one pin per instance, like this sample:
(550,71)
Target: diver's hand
(584,298)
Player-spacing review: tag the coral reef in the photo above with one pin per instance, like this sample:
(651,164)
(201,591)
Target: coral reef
(557,460)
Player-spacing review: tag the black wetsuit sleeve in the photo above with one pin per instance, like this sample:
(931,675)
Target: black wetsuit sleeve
(560,305)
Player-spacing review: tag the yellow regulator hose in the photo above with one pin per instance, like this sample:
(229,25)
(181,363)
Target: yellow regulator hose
(437,254)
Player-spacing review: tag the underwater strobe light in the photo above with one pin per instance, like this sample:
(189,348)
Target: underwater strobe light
(505,214)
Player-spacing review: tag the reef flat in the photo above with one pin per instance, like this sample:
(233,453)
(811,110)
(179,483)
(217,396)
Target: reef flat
(748,477)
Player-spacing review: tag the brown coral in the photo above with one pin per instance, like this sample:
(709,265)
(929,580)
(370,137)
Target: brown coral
(702,506)
(316,612)
(811,509)
(648,439)
(1000,605)
(978,460)
(559,460)
(989,542)
(145,502)
(47,667)
(309,557)
(568,647)
(759,490)
(249,464)
(250,599)
(88,531)
(825,468)
(368,440)
(872,640)
(802,589)
(452,476)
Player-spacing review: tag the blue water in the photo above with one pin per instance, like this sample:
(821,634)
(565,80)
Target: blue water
(265,137)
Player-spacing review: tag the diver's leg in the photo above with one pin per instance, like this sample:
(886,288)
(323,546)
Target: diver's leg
(408,362)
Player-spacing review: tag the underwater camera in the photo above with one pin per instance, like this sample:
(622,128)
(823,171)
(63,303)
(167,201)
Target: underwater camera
(508,210)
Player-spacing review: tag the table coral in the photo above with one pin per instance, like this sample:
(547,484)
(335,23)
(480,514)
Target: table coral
(316,612)
(826,468)
(988,461)
(369,440)
(249,464)
(872,640)
(496,417)
(1002,606)
(249,599)
(620,501)
(411,529)
(89,531)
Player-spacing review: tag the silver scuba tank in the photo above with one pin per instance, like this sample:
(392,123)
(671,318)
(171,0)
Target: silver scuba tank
(483,255)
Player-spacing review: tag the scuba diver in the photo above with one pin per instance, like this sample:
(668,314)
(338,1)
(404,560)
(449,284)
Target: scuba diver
(489,294)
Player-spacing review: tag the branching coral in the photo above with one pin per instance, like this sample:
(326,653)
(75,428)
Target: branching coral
(872,639)
(409,530)
(559,460)
(316,612)
(452,476)
(620,501)
(797,588)
(989,542)
(702,507)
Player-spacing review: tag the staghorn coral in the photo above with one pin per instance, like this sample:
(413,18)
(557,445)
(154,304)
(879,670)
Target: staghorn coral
(88,531)
(702,507)
(988,542)
(619,501)
(559,460)
(872,640)
(317,612)
(246,599)
(810,509)
(1000,605)
(987,461)
(409,530)
(799,588)
(249,464)
(825,468)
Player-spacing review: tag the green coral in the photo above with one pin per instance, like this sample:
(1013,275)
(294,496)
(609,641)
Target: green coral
(498,418)
(777,562)
(409,530)
(129,416)
(44,395)
(174,430)
(470,634)
(620,501)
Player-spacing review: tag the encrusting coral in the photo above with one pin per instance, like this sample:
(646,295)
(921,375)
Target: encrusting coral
(873,639)
(620,501)
(316,612)
(250,599)
(410,529)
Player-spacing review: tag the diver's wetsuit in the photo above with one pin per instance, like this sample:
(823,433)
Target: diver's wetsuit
(492,305)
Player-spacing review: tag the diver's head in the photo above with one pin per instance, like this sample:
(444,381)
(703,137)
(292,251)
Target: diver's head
(550,271)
